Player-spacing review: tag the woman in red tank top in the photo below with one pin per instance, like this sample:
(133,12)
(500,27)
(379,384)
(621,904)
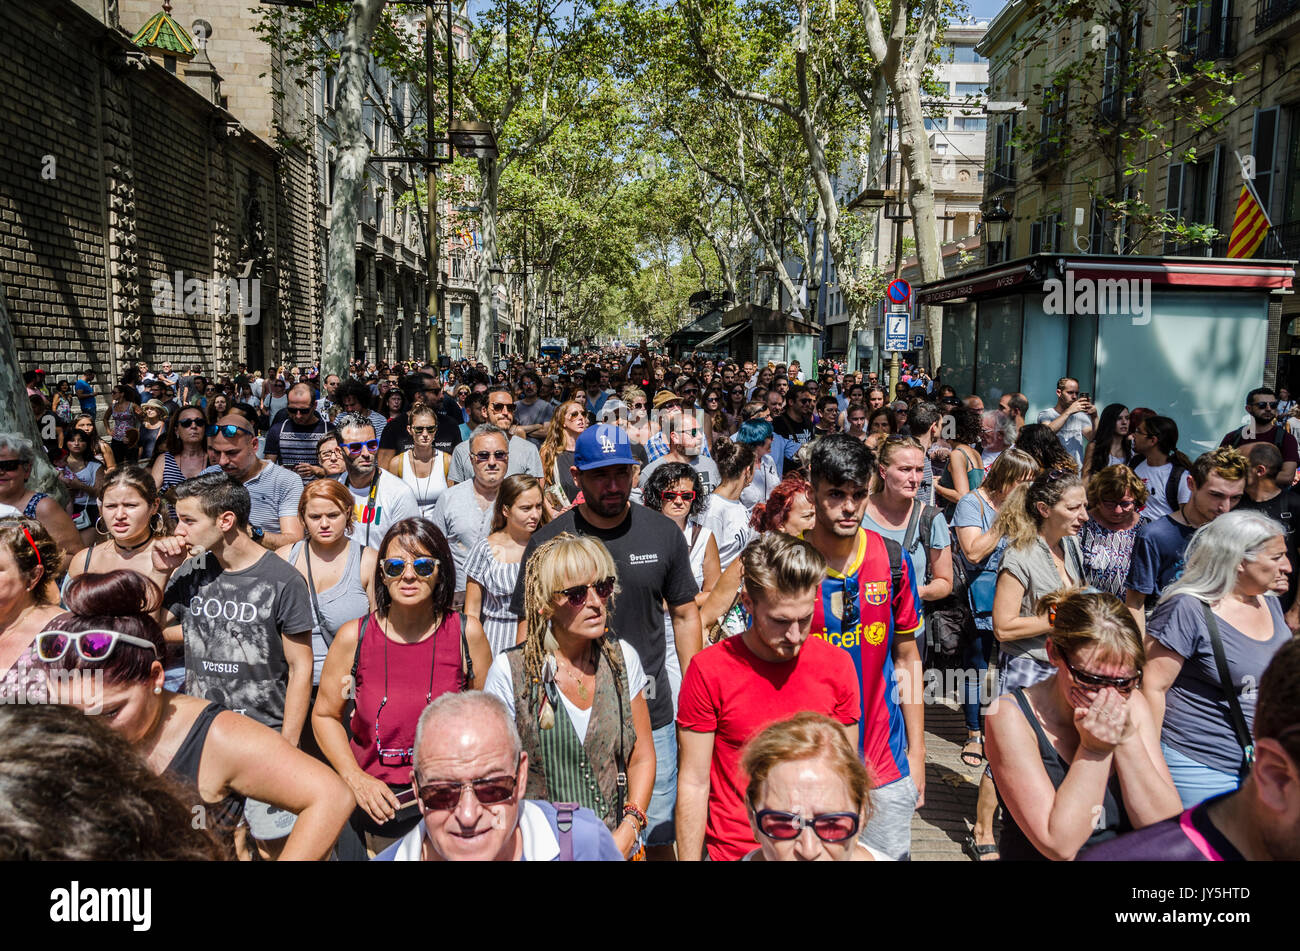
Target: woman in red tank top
(392,663)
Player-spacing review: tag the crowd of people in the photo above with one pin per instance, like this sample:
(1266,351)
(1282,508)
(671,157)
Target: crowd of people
(615,606)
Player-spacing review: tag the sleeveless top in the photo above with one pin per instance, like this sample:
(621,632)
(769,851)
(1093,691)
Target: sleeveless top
(29,510)
(426,490)
(25,681)
(344,601)
(1014,845)
(221,816)
(149,439)
(122,423)
(416,674)
(561,768)
(974,473)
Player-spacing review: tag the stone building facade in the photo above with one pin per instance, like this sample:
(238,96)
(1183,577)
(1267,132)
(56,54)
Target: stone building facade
(119,174)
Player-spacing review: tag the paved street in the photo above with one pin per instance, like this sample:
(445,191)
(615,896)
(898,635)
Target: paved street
(950,789)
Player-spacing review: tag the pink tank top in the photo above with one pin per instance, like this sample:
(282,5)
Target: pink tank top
(416,673)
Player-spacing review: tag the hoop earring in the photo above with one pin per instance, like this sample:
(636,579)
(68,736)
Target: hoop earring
(161,527)
(101,531)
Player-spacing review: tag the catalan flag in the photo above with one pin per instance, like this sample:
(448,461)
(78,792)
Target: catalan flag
(1249,226)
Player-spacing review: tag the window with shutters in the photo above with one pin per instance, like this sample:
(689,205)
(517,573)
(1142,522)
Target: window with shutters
(1192,195)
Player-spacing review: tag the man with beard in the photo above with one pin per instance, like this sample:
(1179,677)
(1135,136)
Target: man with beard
(654,569)
(380,498)
(1261,404)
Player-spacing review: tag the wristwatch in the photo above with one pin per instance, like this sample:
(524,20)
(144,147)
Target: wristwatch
(257,534)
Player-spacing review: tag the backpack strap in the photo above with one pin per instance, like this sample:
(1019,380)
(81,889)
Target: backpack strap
(913,521)
(895,552)
(1237,718)
(1279,433)
(1176,475)
(564,826)
(919,524)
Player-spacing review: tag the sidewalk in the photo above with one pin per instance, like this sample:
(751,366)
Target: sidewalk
(951,788)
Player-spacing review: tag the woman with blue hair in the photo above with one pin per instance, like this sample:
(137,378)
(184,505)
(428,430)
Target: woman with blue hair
(757,434)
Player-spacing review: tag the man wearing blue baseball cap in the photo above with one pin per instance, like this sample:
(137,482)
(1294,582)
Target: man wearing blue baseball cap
(653,569)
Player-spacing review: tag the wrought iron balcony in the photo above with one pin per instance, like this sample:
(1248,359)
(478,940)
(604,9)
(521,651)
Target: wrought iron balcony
(1003,175)
(1216,40)
(1271,12)
(1283,241)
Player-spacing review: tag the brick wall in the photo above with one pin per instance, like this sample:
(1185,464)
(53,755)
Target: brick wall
(52,250)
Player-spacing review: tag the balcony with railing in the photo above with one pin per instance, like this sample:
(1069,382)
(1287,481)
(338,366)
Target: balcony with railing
(1283,242)
(1214,41)
(1271,12)
(1003,174)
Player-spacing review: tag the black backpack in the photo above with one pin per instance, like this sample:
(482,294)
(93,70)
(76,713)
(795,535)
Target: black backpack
(1171,487)
(1279,437)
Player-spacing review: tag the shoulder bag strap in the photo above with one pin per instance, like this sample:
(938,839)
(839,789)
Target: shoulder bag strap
(564,826)
(1238,719)
(909,537)
(369,514)
(315,602)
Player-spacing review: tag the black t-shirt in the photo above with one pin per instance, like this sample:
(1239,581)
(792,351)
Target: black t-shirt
(396,437)
(799,432)
(1285,508)
(654,566)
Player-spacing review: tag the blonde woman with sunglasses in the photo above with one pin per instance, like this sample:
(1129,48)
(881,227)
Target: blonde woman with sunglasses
(577,695)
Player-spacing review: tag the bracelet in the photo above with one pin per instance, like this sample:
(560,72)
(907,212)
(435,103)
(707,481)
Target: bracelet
(638,816)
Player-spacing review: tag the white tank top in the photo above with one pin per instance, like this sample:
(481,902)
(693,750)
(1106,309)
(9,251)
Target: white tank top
(429,488)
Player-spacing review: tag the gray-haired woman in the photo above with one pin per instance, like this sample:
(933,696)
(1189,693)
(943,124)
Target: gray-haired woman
(1223,611)
(16,458)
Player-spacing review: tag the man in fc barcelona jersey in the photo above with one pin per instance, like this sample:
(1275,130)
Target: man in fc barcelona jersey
(864,611)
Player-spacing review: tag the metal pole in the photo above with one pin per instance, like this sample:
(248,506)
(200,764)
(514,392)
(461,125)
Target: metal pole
(434,300)
(894,369)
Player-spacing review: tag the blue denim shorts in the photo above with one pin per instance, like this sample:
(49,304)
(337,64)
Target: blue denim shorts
(661,829)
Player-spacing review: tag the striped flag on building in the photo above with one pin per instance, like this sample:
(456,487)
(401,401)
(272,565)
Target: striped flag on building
(1249,226)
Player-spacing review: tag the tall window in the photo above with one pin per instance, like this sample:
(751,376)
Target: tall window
(1192,194)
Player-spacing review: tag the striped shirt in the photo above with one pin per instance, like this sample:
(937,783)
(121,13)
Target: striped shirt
(274,494)
(292,444)
(497,579)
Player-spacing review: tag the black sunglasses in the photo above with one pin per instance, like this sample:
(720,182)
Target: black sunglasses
(11,465)
(499,455)
(577,595)
(190,422)
(1124,685)
(297,411)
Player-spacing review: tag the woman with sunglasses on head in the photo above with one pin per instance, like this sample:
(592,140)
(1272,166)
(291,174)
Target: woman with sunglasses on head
(492,569)
(1076,756)
(676,490)
(392,662)
(808,793)
(1221,620)
(569,422)
(83,476)
(29,561)
(184,451)
(422,467)
(576,693)
(110,630)
(1115,500)
(1041,522)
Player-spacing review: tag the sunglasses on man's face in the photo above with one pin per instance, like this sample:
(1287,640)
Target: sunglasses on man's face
(424,566)
(1272,405)
(230,431)
(502,407)
(443,797)
(357,448)
(577,595)
(299,410)
(499,455)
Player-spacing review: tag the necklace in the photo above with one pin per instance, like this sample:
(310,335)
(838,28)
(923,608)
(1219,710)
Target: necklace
(131,549)
(423,487)
(575,678)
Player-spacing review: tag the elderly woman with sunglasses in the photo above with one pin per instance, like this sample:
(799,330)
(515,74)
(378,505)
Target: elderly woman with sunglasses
(17,457)
(808,793)
(1115,500)
(577,695)
(1076,757)
(392,662)
(1220,620)
(110,632)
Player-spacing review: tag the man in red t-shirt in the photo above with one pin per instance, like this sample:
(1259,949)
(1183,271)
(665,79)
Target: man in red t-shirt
(734,689)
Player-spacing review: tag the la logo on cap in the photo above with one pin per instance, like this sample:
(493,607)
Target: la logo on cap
(606,444)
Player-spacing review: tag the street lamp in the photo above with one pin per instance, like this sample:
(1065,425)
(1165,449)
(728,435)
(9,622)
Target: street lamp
(495,277)
(471,139)
(995,218)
